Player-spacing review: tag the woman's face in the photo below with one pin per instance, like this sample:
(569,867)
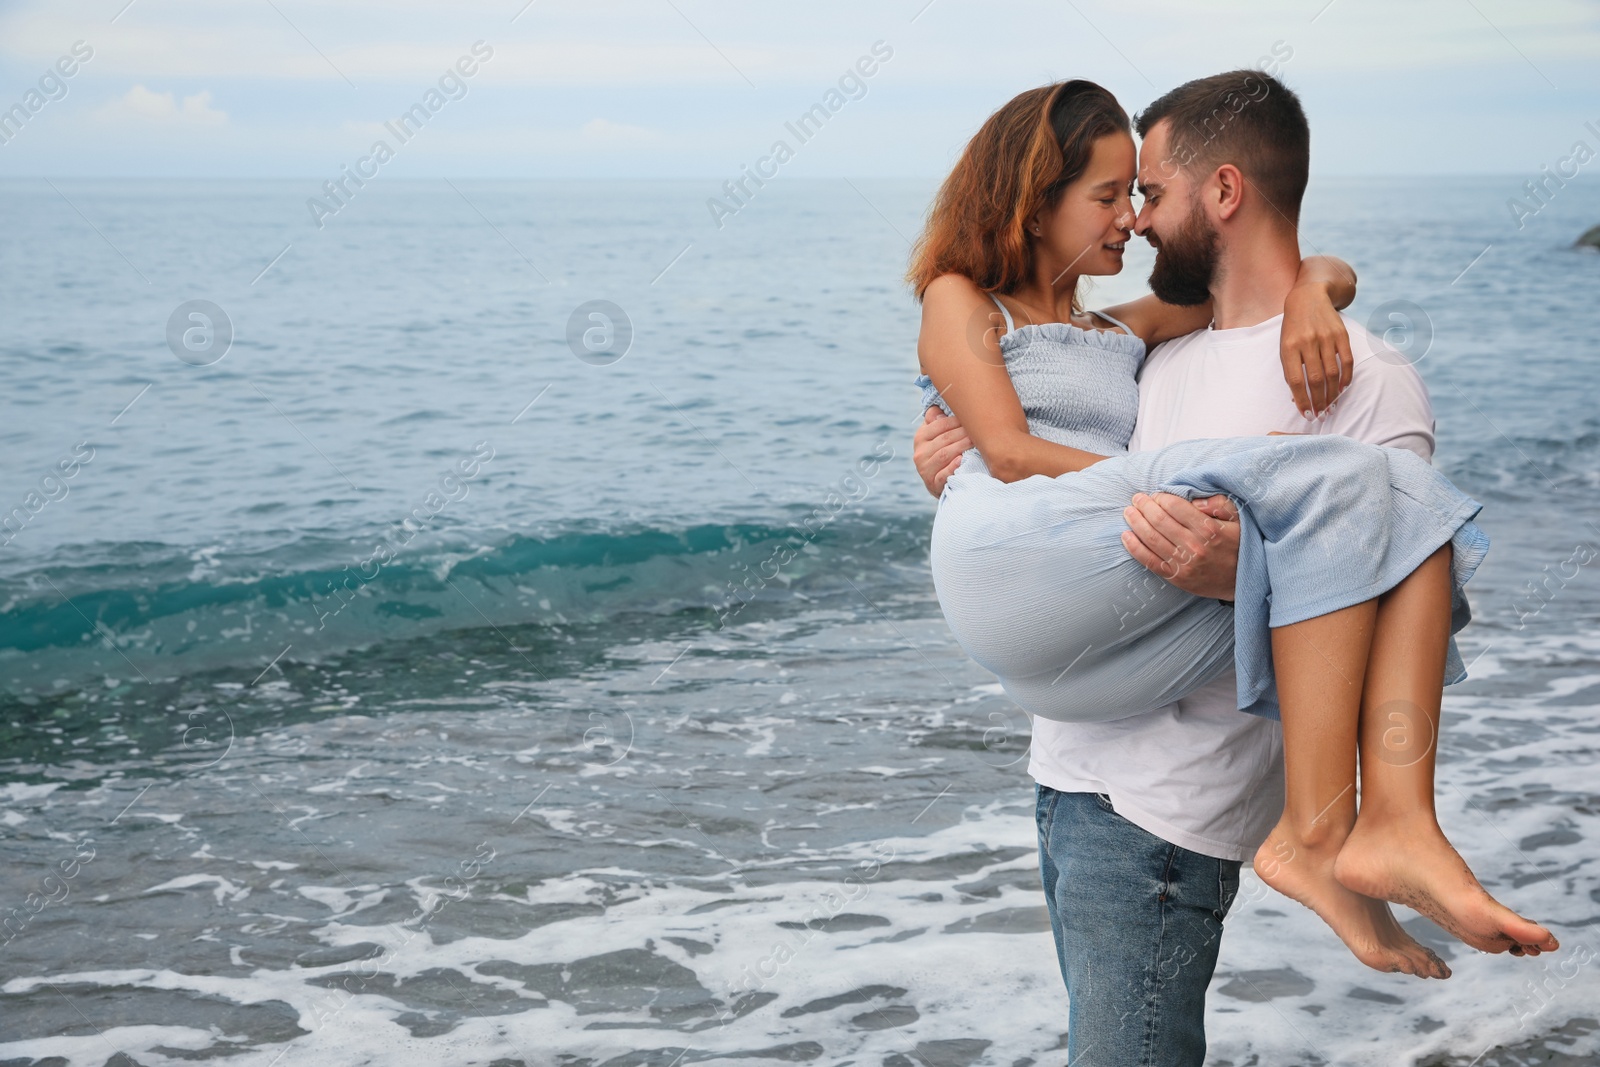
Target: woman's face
(1089,228)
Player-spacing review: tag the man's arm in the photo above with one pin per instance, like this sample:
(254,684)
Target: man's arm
(1387,405)
(1195,546)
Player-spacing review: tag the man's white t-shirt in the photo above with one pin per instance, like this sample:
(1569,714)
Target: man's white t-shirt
(1200,773)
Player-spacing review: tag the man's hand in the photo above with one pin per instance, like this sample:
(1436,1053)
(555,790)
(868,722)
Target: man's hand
(1194,546)
(938,444)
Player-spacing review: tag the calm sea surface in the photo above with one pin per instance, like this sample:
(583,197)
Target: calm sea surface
(641,739)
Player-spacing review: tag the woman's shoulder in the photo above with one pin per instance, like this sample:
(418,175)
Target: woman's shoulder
(949,289)
(952,303)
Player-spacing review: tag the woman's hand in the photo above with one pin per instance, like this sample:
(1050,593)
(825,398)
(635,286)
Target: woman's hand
(938,445)
(1315,348)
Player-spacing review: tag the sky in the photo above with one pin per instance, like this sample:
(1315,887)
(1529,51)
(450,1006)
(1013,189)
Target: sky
(698,88)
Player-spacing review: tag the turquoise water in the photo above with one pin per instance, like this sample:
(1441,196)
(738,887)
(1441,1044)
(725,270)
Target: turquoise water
(552,775)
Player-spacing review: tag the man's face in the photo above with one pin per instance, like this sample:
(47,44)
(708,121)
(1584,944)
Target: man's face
(1172,221)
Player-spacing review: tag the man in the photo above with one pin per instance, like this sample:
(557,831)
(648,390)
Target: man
(1144,822)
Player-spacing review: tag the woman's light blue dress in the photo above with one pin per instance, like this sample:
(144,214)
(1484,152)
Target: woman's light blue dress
(1037,587)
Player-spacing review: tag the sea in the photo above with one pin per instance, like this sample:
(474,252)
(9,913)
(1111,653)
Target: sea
(494,627)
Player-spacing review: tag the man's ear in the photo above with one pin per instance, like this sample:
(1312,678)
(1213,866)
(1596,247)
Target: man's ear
(1228,190)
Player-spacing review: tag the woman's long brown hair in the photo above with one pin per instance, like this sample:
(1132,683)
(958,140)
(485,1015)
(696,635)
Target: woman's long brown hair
(1020,160)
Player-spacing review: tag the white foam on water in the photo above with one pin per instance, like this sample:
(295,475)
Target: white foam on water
(970,965)
(764,731)
(1564,687)
(21,792)
(223,889)
(940,937)
(90,1050)
(1523,814)
(344,901)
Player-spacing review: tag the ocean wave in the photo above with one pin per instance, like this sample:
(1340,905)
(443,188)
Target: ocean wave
(169,610)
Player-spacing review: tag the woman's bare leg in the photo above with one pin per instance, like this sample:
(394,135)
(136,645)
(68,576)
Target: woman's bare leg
(1396,850)
(1320,665)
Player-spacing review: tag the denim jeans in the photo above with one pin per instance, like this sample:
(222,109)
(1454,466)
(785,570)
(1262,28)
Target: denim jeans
(1137,923)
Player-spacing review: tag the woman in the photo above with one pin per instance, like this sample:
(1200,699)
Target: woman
(1027,553)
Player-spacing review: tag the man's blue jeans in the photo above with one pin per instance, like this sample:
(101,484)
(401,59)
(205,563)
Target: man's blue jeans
(1137,923)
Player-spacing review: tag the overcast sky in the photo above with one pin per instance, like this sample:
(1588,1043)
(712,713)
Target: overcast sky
(696,88)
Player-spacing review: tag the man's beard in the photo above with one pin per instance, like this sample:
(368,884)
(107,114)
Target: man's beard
(1186,262)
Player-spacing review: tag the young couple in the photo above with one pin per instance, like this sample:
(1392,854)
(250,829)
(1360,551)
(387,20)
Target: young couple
(1301,566)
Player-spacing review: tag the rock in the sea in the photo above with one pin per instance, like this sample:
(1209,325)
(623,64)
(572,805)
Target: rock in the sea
(1590,238)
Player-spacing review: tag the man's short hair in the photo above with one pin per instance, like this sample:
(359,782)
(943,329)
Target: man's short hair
(1243,117)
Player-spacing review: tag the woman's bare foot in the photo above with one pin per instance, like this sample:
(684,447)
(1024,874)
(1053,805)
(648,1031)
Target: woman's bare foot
(1415,865)
(1367,927)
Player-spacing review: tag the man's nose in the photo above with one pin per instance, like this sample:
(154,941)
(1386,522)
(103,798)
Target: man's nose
(1141,224)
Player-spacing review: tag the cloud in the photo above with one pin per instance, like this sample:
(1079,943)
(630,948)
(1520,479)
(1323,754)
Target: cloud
(141,104)
(1446,87)
(631,43)
(605,133)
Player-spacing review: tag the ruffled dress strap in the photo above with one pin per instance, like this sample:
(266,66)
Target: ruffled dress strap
(1009,326)
(1114,322)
